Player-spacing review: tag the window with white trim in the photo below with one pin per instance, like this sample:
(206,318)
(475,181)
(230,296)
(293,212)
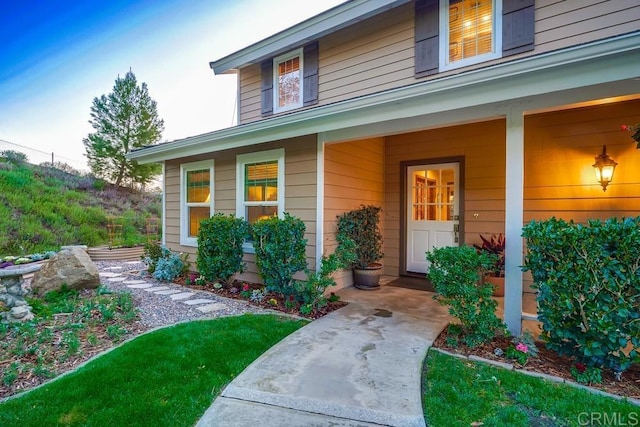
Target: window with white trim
(287,74)
(472,32)
(196,199)
(260,186)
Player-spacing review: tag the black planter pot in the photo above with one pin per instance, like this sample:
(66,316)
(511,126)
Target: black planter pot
(367,278)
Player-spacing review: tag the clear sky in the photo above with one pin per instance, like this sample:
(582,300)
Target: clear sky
(57,55)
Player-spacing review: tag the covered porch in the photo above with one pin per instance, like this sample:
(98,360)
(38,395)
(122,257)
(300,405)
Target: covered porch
(525,164)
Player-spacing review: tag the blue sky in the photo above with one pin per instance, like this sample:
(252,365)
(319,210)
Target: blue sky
(57,55)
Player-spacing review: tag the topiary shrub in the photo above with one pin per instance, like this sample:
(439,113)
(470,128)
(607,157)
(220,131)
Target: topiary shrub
(588,283)
(220,253)
(280,251)
(456,274)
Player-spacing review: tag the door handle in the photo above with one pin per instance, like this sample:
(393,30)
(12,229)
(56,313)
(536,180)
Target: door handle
(456,232)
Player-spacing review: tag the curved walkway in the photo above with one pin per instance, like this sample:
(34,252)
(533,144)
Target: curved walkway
(358,366)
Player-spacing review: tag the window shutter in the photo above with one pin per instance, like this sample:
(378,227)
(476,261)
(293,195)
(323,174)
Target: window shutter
(426,37)
(310,74)
(267,87)
(517,26)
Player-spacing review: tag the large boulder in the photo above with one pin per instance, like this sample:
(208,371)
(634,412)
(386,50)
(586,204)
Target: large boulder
(72,267)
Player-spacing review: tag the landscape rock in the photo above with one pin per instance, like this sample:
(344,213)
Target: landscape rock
(71,267)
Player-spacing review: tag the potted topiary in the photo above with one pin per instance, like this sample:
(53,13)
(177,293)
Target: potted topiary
(494,245)
(362,226)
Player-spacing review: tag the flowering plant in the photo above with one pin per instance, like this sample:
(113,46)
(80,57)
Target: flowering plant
(523,347)
(246,291)
(635,132)
(586,374)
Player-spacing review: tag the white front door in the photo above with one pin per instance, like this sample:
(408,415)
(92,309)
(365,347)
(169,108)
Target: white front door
(432,211)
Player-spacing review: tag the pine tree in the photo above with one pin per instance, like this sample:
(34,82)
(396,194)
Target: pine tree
(124,120)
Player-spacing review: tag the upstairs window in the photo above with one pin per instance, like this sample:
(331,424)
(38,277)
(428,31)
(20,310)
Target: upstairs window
(471,34)
(196,191)
(288,81)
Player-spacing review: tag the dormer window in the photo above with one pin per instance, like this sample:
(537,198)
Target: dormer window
(288,82)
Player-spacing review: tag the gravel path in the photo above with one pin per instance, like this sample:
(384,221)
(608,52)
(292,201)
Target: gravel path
(160,310)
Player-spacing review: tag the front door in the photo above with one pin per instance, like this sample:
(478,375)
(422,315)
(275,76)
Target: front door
(432,211)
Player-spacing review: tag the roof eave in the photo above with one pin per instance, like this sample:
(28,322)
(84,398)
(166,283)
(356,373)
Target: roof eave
(313,28)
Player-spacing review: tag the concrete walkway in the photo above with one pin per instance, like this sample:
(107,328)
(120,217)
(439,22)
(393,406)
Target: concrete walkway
(358,366)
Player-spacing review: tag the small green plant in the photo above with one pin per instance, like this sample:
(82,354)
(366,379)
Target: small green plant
(280,251)
(456,274)
(306,309)
(171,266)
(220,252)
(333,297)
(71,341)
(11,374)
(116,332)
(200,281)
(586,374)
(522,348)
(258,295)
(153,251)
(245,291)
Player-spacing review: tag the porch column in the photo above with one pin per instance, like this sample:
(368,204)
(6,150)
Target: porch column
(514,205)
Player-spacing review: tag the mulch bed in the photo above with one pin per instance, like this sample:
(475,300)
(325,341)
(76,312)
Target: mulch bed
(550,363)
(234,292)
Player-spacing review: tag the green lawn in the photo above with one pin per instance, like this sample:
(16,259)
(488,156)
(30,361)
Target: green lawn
(460,392)
(165,378)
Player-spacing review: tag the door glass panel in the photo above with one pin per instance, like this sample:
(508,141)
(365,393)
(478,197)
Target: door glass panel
(433,194)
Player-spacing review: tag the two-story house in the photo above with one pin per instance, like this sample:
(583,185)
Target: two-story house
(458,117)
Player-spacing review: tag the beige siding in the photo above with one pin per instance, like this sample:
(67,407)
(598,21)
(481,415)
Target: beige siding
(353,175)
(300,192)
(483,148)
(377,54)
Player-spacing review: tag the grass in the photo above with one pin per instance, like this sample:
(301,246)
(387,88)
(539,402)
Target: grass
(461,392)
(165,378)
(43,208)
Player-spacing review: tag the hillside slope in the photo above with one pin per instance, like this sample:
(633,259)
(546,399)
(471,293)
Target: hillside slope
(43,208)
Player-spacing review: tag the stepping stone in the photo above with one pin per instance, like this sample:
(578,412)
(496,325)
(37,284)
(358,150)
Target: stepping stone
(139,286)
(182,295)
(133,282)
(156,288)
(115,267)
(107,274)
(217,306)
(116,279)
(198,301)
(169,292)
(133,262)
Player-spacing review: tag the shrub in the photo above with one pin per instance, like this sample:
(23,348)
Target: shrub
(311,292)
(15,157)
(362,226)
(220,253)
(280,251)
(152,253)
(170,267)
(588,283)
(456,274)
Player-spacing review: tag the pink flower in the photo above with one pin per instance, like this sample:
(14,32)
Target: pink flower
(245,287)
(522,348)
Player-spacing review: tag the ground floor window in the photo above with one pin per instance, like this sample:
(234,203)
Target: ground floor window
(196,195)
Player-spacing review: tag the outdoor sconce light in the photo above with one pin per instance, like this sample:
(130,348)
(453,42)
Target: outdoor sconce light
(604,167)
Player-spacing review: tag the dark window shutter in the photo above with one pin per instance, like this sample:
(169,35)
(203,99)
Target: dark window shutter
(267,87)
(518,23)
(310,76)
(426,37)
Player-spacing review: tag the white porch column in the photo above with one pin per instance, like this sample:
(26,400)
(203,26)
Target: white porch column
(514,204)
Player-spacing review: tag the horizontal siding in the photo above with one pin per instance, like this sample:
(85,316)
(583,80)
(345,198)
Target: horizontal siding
(560,148)
(480,144)
(563,24)
(349,184)
(377,54)
(300,192)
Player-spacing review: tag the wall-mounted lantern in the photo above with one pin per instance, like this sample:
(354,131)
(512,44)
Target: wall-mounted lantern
(604,167)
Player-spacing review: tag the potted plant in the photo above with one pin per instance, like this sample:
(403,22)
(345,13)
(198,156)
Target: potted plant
(494,245)
(362,226)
